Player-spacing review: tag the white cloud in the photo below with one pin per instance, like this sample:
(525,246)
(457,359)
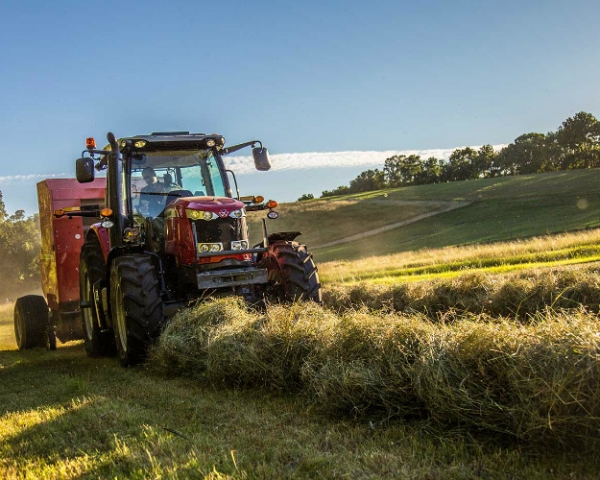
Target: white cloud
(26,178)
(293,161)
(303,161)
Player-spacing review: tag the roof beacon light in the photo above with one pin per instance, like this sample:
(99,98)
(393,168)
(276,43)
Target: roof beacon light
(90,143)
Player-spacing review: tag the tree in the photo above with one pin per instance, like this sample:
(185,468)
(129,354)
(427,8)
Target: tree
(529,153)
(401,170)
(432,169)
(306,196)
(483,161)
(461,165)
(3,214)
(368,181)
(579,138)
(391,170)
(341,190)
(19,250)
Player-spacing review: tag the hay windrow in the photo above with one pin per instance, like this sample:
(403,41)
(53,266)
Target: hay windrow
(537,381)
(517,295)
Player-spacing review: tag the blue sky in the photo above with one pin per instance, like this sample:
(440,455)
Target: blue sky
(304,77)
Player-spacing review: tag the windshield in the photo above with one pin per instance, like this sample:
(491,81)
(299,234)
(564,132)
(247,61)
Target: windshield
(158,178)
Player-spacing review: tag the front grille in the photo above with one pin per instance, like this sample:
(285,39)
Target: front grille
(222,230)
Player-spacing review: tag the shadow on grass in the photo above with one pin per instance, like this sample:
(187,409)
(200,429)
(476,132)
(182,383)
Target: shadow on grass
(38,378)
(92,437)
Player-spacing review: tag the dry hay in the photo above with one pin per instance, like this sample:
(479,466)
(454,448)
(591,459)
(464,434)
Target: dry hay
(518,295)
(537,381)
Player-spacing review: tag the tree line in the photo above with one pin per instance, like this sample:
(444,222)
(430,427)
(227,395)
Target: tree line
(576,144)
(19,251)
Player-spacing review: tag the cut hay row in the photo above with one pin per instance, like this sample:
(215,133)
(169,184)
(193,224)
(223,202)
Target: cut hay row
(515,294)
(536,249)
(537,382)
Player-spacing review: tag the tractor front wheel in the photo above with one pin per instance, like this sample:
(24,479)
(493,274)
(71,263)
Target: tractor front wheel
(31,321)
(136,307)
(292,273)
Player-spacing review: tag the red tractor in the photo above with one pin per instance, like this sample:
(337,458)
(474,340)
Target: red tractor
(172,231)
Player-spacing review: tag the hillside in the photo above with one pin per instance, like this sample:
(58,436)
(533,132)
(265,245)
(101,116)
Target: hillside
(347,216)
(496,209)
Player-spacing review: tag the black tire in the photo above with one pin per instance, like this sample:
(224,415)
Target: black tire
(293,273)
(98,343)
(31,321)
(136,307)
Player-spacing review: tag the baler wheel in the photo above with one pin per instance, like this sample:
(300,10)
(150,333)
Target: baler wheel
(293,273)
(31,321)
(136,306)
(98,343)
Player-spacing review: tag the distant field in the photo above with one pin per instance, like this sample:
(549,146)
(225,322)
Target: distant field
(323,221)
(501,209)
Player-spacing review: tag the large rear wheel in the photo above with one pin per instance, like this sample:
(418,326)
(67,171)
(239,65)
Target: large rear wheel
(31,321)
(136,307)
(293,273)
(98,341)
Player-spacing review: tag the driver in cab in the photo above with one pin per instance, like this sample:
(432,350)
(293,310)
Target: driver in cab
(151,200)
(152,183)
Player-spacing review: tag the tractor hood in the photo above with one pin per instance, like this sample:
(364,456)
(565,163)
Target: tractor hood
(222,206)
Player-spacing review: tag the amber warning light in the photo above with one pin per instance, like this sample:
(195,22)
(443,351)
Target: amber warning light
(90,143)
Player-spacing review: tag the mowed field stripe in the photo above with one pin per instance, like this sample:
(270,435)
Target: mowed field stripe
(398,278)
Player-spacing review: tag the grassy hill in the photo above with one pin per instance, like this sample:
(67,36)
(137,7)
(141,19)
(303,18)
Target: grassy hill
(323,221)
(499,209)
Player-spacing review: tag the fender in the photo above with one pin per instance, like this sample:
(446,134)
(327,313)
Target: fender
(285,236)
(101,234)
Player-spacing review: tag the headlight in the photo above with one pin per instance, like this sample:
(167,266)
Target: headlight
(239,244)
(236,214)
(199,214)
(210,247)
(193,214)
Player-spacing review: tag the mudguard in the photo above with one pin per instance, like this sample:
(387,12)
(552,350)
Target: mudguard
(283,236)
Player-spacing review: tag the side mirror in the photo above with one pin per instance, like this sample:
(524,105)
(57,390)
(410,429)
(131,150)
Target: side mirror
(261,159)
(84,169)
